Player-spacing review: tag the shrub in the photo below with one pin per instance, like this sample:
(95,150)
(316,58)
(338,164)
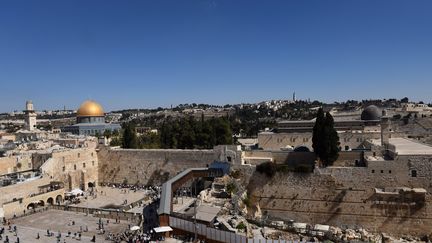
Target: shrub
(235,174)
(247,202)
(231,188)
(241,226)
(268,168)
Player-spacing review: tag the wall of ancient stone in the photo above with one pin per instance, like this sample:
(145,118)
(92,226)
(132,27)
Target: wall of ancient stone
(21,206)
(345,196)
(21,190)
(74,167)
(15,163)
(276,141)
(144,166)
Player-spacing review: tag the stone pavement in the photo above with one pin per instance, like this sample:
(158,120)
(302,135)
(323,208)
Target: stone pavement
(55,221)
(109,196)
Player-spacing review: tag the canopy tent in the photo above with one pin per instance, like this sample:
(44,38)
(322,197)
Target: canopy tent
(74,192)
(162,229)
(133,228)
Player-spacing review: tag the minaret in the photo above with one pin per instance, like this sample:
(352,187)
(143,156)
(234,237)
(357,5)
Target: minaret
(30,116)
(294,98)
(385,128)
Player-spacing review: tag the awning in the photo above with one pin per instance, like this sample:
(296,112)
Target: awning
(76,191)
(133,228)
(163,229)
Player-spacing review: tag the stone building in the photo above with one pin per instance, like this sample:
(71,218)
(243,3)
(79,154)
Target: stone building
(352,133)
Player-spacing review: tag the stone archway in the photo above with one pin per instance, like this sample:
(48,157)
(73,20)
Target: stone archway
(302,148)
(41,203)
(59,199)
(31,206)
(50,201)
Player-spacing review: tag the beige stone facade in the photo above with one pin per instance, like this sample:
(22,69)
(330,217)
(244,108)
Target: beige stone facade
(75,168)
(144,166)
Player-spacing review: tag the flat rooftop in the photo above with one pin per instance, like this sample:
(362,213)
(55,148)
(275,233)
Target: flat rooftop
(409,147)
(404,146)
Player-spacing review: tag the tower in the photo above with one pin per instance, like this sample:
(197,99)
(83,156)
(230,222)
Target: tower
(385,128)
(30,116)
(294,97)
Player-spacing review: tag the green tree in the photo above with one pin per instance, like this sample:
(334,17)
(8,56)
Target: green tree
(130,139)
(107,133)
(331,147)
(222,131)
(325,140)
(318,133)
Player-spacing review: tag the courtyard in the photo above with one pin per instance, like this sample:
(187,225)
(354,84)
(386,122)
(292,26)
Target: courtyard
(112,198)
(61,221)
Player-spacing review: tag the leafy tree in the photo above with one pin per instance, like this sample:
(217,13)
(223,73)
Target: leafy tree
(107,133)
(130,139)
(115,141)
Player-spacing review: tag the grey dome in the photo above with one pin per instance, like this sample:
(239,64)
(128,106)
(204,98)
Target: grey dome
(371,113)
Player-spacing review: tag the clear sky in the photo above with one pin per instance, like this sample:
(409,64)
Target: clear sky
(150,53)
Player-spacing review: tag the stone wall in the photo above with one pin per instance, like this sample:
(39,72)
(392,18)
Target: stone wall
(276,141)
(74,167)
(21,190)
(344,196)
(146,166)
(15,163)
(19,207)
(322,199)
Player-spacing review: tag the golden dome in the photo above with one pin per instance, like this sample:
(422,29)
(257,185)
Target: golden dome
(90,108)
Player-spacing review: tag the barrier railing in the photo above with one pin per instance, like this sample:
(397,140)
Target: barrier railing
(213,234)
(102,213)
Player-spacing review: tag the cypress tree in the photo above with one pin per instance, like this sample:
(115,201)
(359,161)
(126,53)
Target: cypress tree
(325,140)
(331,147)
(317,136)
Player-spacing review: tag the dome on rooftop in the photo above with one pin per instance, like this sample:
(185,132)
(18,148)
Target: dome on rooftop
(371,113)
(90,108)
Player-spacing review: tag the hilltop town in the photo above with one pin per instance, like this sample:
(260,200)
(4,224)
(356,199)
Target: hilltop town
(203,172)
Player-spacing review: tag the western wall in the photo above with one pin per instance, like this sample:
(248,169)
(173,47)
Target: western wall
(154,166)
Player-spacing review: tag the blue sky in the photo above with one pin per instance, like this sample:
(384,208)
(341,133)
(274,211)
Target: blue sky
(153,53)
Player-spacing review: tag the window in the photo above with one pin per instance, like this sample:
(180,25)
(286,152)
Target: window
(79,155)
(382,171)
(93,163)
(229,158)
(92,154)
(83,165)
(373,171)
(413,173)
(64,168)
(74,167)
(389,171)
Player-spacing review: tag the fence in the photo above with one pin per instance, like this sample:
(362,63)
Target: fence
(102,213)
(215,235)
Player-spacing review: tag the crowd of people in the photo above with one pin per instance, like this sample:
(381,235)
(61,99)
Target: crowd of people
(131,187)
(133,237)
